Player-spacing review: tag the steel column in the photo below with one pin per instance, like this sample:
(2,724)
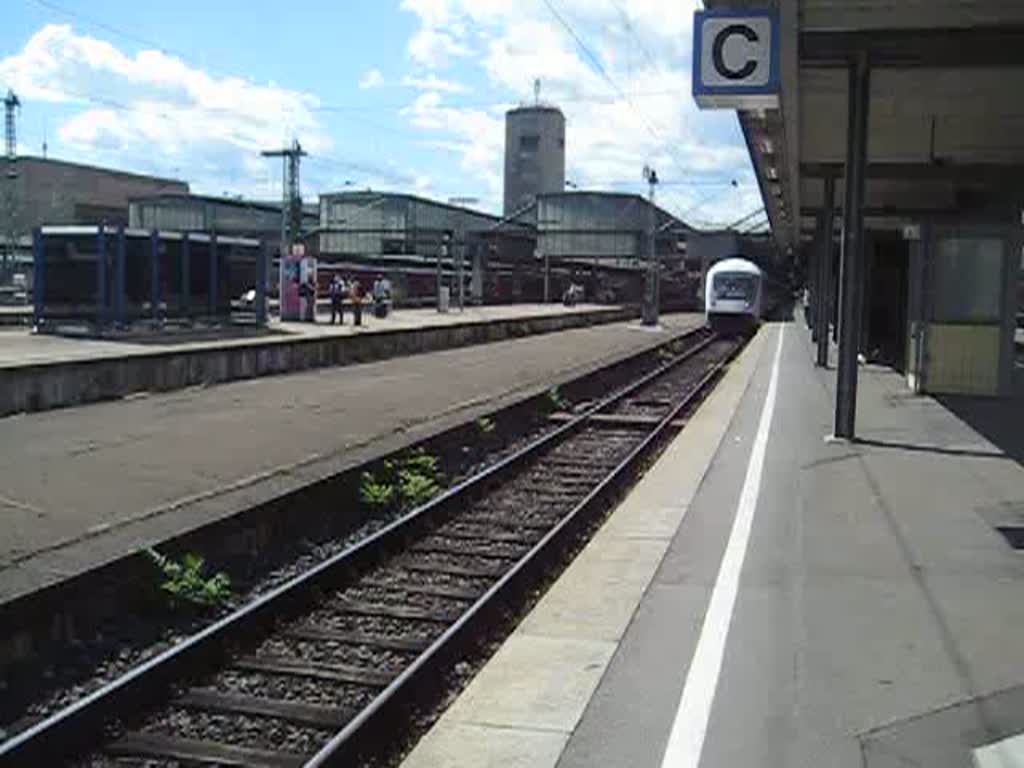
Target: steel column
(154,275)
(38,277)
(823,301)
(262,267)
(852,257)
(186,275)
(213,288)
(101,276)
(119,278)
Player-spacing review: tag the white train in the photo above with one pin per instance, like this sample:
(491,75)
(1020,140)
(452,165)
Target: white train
(733,294)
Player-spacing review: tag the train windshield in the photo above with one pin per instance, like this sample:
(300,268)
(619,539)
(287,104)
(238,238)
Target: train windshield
(735,286)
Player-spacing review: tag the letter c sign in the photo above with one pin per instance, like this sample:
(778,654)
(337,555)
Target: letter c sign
(735,59)
(717,48)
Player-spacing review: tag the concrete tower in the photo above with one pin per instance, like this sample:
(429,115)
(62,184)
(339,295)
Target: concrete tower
(534,154)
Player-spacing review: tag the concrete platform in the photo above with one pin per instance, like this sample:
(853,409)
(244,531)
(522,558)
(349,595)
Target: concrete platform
(83,486)
(38,372)
(864,612)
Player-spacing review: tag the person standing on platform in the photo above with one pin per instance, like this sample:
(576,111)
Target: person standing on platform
(355,292)
(338,299)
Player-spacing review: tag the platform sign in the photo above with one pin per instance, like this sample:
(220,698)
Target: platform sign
(736,59)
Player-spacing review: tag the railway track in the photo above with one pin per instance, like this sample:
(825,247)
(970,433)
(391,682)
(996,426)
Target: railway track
(320,670)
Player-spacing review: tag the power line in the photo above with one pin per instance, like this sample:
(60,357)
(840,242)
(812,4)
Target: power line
(743,219)
(501,103)
(629,28)
(596,62)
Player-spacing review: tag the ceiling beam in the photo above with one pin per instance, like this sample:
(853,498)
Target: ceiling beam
(960,47)
(963,172)
(880,211)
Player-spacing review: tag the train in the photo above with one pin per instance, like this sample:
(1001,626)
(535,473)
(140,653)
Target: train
(734,295)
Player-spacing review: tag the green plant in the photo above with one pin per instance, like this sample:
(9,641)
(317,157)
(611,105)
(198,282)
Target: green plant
(409,482)
(418,478)
(415,489)
(186,584)
(420,462)
(555,399)
(485,425)
(378,493)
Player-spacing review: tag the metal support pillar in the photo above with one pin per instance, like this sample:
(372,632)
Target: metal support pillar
(460,269)
(437,275)
(38,277)
(852,257)
(813,279)
(823,299)
(214,288)
(650,307)
(154,275)
(101,276)
(547,278)
(262,268)
(119,278)
(186,276)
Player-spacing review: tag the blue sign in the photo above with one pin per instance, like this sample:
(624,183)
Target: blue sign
(736,59)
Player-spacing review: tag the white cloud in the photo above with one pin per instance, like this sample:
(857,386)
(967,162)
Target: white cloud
(648,116)
(431,47)
(371,79)
(475,136)
(156,112)
(434,83)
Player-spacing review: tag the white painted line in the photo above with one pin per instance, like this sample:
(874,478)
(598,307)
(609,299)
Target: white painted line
(686,741)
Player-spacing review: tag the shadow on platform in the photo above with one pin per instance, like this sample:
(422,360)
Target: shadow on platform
(999,420)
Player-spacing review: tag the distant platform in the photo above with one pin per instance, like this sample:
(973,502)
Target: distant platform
(43,371)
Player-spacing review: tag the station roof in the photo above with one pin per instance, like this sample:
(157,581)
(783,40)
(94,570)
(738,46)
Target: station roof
(369,194)
(946,127)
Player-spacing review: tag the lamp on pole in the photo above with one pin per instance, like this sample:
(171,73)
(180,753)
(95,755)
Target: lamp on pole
(650,307)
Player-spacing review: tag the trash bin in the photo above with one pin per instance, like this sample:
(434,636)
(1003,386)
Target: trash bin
(445,299)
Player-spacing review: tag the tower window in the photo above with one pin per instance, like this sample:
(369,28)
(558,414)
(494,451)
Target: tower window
(529,143)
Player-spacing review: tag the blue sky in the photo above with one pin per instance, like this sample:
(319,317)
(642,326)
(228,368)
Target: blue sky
(404,95)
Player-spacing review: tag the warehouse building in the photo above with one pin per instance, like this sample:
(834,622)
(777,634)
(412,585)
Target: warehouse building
(47,191)
(403,237)
(602,240)
(50,191)
(204,213)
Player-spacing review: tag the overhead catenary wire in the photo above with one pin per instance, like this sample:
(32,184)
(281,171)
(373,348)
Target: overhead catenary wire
(743,219)
(596,62)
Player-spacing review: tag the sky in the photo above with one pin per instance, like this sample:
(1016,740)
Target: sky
(398,95)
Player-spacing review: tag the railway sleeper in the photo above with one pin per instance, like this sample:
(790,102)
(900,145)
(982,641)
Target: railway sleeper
(442,549)
(341,605)
(336,673)
(308,632)
(469,533)
(292,711)
(453,570)
(196,751)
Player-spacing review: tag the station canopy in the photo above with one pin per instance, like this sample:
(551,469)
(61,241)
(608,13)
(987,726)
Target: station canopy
(946,125)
